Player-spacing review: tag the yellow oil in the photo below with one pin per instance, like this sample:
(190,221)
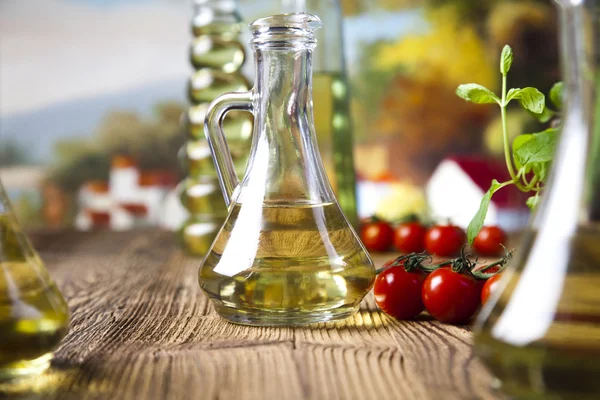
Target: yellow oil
(564,361)
(216,53)
(334,137)
(217,56)
(286,264)
(198,233)
(33,314)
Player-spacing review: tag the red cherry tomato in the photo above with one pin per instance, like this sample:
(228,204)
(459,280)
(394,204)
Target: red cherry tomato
(377,236)
(398,292)
(410,237)
(490,287)
(450,296)
(444,240)
(489,240)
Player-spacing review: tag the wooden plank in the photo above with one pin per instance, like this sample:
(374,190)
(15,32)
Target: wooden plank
(141,329)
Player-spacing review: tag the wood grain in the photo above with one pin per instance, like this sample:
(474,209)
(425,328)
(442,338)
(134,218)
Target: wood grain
(141,329)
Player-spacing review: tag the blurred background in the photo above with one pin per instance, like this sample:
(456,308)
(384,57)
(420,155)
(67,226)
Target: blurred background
(92,93)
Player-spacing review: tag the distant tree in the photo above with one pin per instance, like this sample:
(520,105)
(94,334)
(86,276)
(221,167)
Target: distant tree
(154,142)
(13,153)
(27,209)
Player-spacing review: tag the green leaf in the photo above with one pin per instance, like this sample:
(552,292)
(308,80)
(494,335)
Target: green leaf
(530,98)
(477,222)
(506,60)
(545,116)
(517,143)
(557,94)
(477,94)
(538,149)
(533,201)
(541,170)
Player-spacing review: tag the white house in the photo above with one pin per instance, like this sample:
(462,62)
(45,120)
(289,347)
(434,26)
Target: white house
(131,198)
(458,184)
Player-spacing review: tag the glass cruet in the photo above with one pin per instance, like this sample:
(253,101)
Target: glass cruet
(33,314)
(286,254)
(540,333)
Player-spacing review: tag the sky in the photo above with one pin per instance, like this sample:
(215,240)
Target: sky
(65,63)
(63,50)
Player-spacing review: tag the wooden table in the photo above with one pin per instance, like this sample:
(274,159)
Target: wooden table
(142,329)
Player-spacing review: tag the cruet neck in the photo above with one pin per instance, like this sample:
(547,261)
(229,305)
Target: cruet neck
(283,46)
(284,152)
(285,31)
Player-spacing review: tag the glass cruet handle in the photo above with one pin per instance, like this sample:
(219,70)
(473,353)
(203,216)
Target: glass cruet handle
(213,129)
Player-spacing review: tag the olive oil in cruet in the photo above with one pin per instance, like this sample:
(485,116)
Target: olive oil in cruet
(33,314)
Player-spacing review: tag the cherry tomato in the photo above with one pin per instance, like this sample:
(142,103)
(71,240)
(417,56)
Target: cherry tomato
(398,292)
(450,296)
(377,236)
(410,237)
(490,287)
(489,240)
(444,240)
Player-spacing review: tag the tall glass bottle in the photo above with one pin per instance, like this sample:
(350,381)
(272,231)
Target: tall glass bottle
(33,314)
(286,254)
(217,56)
(540,334)
(332,100)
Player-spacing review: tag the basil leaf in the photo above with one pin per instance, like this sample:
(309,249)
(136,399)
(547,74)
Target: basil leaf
(477,222)
(530,98)
(541,170)
(477,94)
(538,149)
(557,94)
(545,116)
(533,201)
(506,60)
(517,143)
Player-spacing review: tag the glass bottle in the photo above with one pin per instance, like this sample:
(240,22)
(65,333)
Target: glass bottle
(540,333)
(286,254)
(217,56)
(332,100)
(33,314)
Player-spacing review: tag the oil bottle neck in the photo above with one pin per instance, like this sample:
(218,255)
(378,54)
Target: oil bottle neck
(284,85)
(284,137)
(573,194)
(580,25)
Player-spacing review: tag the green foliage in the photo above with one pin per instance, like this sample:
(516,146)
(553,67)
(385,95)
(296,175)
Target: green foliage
(12,153)
(530,98)
(370,86)
(27,208)
(537,148)
(153,142)
(476,94)
(531,153)
(557,94)
(473,11)
(506,60)
(545,116)
(477,222)
(533,201)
